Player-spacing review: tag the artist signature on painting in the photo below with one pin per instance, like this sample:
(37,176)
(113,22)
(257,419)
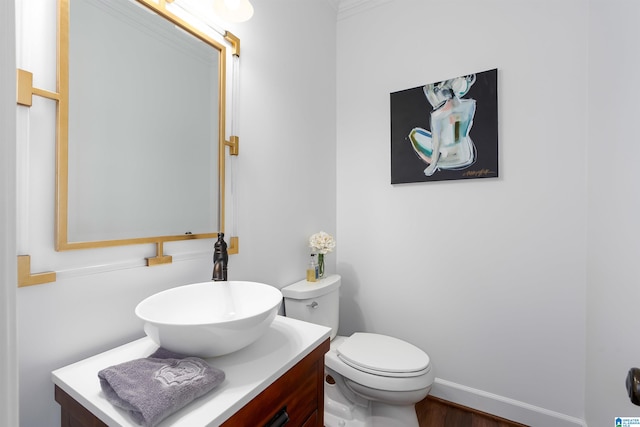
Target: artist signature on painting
(479,173)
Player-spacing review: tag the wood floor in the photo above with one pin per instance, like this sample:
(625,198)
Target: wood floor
(434,412)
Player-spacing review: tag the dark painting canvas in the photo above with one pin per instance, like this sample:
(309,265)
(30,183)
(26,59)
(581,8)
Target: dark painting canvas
(446,130)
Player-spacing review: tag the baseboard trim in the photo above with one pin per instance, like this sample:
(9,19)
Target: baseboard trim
(503,407)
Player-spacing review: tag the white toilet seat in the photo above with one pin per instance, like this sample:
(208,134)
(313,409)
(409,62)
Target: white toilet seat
(383,355)
(376,378)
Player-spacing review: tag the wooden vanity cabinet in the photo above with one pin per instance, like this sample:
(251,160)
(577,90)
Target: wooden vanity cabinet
(299,392)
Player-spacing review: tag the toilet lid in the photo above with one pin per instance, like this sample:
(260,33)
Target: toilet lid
(383,355)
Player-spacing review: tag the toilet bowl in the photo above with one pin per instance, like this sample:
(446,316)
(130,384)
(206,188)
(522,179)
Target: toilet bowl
(370,379)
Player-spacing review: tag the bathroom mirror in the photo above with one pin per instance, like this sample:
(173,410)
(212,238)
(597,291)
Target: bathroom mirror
(141,126)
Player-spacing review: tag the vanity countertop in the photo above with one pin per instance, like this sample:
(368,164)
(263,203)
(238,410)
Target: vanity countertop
(248,372)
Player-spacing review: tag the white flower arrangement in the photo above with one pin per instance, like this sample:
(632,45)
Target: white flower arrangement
(322,243)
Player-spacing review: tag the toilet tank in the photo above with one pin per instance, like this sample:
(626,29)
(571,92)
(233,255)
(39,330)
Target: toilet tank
(315,302)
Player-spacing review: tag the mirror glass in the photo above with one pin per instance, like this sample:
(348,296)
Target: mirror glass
(144,128)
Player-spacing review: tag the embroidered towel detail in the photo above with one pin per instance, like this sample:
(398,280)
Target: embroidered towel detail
(153,388)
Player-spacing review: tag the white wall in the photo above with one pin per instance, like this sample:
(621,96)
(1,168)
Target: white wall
(286,187)
(491,277)
(614,209)
(8,352)
(487,276)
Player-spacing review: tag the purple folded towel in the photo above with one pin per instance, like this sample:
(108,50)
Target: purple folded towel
(153,388)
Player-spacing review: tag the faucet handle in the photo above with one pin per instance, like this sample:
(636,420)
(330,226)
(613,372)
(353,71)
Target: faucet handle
(220,259)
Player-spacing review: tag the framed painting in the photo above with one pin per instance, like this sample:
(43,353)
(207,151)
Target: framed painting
(446,130)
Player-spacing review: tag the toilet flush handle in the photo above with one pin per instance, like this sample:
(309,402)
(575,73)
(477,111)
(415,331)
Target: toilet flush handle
(313,305)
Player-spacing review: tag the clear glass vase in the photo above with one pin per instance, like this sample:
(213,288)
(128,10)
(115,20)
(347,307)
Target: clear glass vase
(320,266)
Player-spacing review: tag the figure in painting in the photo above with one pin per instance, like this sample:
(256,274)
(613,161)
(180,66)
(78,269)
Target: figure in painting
(447,145)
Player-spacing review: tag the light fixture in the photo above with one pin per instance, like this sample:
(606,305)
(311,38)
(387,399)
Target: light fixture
(233,10)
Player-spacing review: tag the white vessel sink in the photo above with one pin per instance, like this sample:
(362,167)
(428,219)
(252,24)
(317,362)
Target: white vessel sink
(211,318)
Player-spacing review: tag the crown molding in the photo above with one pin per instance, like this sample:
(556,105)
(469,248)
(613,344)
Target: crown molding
(334,4)
(348,8)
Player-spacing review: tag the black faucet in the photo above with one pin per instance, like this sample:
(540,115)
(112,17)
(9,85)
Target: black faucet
(220,259)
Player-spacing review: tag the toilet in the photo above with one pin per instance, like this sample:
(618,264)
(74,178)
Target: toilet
(370,379)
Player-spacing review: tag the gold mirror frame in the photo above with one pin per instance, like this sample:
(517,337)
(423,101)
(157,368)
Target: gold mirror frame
(25,92)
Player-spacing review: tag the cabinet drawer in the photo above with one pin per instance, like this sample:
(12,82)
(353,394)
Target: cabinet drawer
(297,400)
